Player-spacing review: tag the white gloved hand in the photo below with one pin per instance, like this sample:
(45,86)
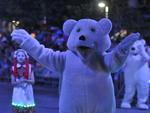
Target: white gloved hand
(20,35)
(141,48)
(143,53)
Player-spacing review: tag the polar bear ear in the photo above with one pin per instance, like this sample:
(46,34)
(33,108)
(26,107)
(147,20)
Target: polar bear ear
(143,41)
(68,26)
(106,25)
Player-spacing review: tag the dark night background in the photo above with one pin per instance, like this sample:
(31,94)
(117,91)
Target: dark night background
(123,13)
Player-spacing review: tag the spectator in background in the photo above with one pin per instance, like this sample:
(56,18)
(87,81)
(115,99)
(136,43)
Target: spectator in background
(22,79)
(3,40)
(59,40)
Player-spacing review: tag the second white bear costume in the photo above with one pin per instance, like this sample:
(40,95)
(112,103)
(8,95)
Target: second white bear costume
(137,75)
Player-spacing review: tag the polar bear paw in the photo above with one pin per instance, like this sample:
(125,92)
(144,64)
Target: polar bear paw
(125,105)
(20,35)
(142,106)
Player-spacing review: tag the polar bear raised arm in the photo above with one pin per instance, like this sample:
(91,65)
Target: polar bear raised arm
(117,57)
(47,57)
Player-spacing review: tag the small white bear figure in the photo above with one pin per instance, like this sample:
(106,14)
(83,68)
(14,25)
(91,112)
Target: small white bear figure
(137,76)
(85,68)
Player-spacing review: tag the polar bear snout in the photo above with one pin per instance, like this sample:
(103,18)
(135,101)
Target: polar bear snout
(82,37)
(132,48)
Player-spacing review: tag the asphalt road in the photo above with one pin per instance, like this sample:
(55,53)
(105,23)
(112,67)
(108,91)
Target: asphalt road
(46,98)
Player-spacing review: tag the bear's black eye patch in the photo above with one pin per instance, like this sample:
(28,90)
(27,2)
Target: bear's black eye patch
(78,30)
(93,29)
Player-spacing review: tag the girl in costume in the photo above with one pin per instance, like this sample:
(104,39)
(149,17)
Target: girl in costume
(22,79)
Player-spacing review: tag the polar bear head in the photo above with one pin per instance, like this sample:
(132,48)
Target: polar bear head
(134,50)
(88,35)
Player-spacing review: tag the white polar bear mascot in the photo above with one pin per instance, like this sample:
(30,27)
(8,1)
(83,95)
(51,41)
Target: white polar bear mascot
(85,67)
(137,76)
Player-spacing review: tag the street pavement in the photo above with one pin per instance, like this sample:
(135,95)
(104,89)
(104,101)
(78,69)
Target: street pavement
(46,97)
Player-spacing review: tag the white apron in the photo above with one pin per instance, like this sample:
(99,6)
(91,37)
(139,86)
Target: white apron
(23,94)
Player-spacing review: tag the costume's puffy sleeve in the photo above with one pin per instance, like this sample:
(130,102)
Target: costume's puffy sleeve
(52,60)
(114,60)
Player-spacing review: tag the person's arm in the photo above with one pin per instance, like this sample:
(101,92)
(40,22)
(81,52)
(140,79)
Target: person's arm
(49,58)
(31,79)
(145,56)
(116,59)
(14,82)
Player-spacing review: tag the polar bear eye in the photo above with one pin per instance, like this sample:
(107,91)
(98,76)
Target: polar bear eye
(93,29)
(78,30)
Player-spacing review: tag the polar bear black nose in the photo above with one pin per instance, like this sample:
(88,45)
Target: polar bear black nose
(132,48)
(82,38)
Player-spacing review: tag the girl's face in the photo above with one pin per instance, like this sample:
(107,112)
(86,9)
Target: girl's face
(20,57)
